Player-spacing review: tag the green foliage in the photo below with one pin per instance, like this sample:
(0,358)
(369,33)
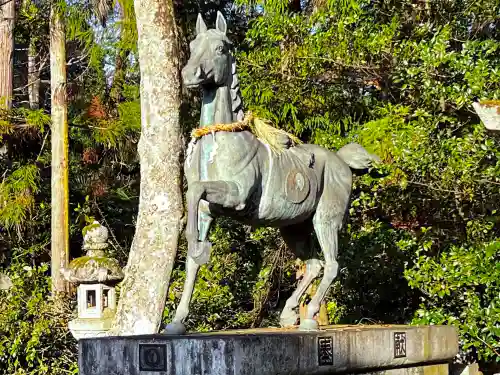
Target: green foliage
(104,174)
(22,118)
(461,287)
(17,195)
(33,335)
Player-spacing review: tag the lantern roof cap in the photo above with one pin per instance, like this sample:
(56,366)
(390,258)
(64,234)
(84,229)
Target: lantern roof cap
(95,266)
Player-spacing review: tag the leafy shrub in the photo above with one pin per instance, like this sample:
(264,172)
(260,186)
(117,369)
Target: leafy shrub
(34,338)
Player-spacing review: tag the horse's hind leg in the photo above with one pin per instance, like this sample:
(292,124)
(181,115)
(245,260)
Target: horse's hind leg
(327,222)
(289,316)
(298,239)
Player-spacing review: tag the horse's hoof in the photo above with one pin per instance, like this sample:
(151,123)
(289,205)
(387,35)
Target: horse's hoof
(308,325)
(288,318)
(174,328)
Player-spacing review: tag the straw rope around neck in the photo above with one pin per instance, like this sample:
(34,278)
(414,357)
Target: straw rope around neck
(259,127)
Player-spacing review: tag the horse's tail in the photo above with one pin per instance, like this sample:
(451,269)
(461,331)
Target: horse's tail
(356,157)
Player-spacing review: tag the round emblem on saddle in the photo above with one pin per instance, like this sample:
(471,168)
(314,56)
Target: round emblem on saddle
(297,186)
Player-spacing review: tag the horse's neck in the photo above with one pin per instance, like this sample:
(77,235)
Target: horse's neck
(217,107)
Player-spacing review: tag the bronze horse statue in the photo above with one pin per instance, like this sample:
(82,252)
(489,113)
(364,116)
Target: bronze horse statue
(235,174)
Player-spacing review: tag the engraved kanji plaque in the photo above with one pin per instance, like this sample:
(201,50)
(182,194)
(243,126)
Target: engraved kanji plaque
(325,351)
(399,344)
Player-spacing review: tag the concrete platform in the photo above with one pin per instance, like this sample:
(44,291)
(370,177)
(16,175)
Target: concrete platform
(392,350)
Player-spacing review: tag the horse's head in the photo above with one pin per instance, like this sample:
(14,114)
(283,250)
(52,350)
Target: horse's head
(210,60)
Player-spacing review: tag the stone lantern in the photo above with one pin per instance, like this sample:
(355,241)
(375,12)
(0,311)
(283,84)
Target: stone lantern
(96,276)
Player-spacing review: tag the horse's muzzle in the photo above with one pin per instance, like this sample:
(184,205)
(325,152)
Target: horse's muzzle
(192,76)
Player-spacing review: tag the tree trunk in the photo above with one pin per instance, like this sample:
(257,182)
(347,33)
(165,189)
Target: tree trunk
(147,275)
(7,15)
(118,76)
(59,113)
(33,77)
(120,67)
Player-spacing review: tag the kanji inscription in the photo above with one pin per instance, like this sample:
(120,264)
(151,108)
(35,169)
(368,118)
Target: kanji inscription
(399,344)
(325,351)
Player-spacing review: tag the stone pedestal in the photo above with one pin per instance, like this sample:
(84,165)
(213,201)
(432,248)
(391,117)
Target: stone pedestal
(395,350)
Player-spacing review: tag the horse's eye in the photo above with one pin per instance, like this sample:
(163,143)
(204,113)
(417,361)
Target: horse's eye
(219,50)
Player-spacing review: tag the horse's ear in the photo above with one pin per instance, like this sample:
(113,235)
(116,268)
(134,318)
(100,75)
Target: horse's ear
(221,24)
(201,27)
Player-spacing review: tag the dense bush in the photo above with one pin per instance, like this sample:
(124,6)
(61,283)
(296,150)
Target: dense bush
(34,338)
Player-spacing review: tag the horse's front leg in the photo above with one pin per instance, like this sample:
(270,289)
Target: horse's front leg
(199,196)
(205,218)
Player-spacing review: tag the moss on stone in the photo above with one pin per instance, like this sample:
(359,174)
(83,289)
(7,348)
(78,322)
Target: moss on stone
(89,227)
(103,262)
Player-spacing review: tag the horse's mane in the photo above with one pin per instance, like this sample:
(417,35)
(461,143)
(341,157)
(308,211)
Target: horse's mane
(235,92)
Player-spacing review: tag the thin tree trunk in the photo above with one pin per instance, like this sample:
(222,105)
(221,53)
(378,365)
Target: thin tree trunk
(7,16)
(147,275)
(118,76)
(120,66)
(33,77)
(59,113)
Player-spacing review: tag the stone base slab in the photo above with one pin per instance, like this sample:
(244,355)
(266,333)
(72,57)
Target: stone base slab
(441,369)
(333,349)
(89,327)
